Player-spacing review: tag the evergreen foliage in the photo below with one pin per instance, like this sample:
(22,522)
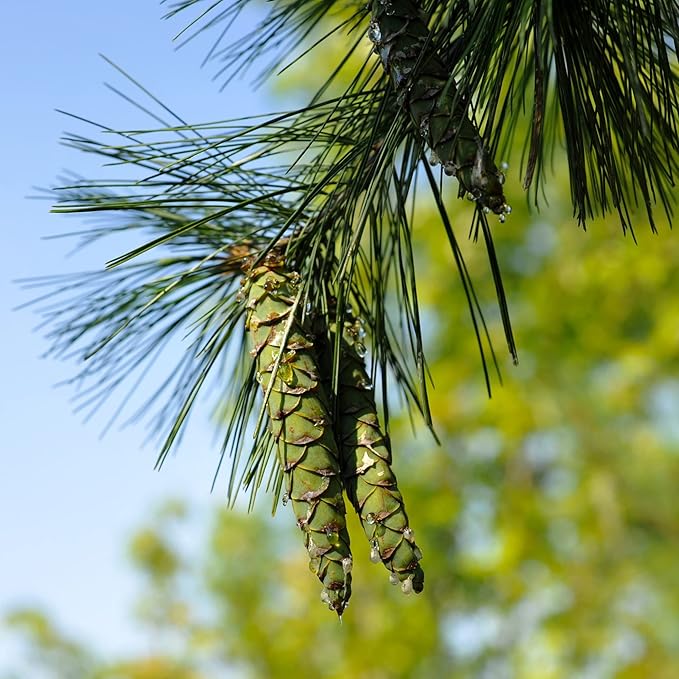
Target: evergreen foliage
(329,189)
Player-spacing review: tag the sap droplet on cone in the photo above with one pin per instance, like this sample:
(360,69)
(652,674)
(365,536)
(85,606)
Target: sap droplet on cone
(375,552)
(271,284)
(333,536)
(375,33)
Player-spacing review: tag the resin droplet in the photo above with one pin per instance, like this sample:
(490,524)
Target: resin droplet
(285,499)
(450,169)
(375,552)
(504,166)
(407,585)
(394,579)
(360,349)
(286,373)
(364,384)
(374,32)
(370,518)
(347,564)
(271,284)
(333,536)
(388,7)
(408,534)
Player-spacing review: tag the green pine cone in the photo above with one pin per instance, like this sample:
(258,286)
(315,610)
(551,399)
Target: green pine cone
(366,466)
(401,38)
(302,426)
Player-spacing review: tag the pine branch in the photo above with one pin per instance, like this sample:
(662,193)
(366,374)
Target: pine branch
(600,77)
(211,196)
(332,183)
(317,203)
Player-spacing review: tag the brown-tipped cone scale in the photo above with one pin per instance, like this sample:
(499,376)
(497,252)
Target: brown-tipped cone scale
(420,78)
(300,422)
(369,479)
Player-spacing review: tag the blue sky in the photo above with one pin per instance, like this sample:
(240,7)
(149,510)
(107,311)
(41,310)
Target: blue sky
(68,498)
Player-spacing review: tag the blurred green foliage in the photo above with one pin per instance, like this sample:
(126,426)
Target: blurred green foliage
(548,517)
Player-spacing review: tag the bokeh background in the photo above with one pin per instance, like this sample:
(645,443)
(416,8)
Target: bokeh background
(548,516)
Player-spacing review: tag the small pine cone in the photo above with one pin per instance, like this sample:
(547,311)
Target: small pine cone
(366,466)
(300,422)
(420,77)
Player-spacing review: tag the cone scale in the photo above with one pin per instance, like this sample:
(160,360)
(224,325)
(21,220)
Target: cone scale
(420,77)
(300,422)
(369,479)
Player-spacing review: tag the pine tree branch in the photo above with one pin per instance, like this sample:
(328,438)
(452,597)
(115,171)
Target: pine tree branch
(600,78)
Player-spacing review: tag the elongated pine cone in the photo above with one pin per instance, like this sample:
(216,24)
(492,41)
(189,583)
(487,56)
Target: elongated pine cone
(301,423)
(369,479)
